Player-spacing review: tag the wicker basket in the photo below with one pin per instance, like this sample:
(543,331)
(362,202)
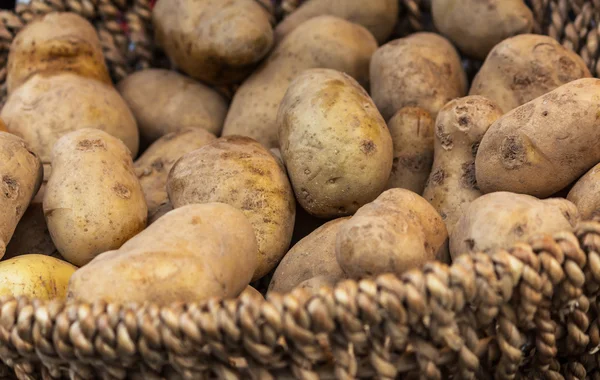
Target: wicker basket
(529,312)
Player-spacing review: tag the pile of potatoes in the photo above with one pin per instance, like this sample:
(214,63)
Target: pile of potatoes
(345,152)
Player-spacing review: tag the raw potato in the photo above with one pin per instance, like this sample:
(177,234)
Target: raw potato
(378,16)
(152,168)
(21,174)
(249,291)
(311,257)
(542,146)
(46,108)
(335,144)
(215,41)
(55,43)
(476,26)
(586,194)
(522,68)
(189,255)
(422,70)
(240,172)
(323,41)
(314,284)
(498,220)
(35,276)
(165,101)
(93,201)
(459,128)
(396,232)
(412,135)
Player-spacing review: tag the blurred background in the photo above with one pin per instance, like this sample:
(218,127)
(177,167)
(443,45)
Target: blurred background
(7,4)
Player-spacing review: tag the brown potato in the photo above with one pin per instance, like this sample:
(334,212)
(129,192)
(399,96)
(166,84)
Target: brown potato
(396,232)
(335,144)
(93,201)
(252,293)
(459,128)
(165,101)
(323,41)
(412,134)
(311,257)
(586,194)
(522,68)
(498,220)
(189,255)
(240,172)
(215,41)
(55,43)
(421,70)
(542,146)
(314,284)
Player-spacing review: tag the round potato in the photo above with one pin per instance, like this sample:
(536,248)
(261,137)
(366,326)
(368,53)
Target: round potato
(586,194)
(335,144)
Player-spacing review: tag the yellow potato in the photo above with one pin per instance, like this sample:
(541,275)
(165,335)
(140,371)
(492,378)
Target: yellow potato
(586,194)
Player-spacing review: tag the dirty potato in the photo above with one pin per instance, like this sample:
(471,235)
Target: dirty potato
(586,194)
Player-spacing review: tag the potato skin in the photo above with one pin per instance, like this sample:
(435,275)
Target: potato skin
(216,41)
(524,67)
(378,16)
(240,172)
(164,101)
(54,43)
(323,41)
(312,256)
(411,129)
(191,254)
(422,70)
(586,194)
(93,200)
(335,144)
(542,146)
(476,26)
(152,168)
(396,232)
(459,128)
(498,220)
(47,107)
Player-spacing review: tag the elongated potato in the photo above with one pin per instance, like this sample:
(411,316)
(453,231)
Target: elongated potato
(323,41)
(335,144)
(152,168)
(189,255)
(240,172)
(311,257)
(54,43)
(586,194)
(422,70)
(164,101)
(396,232)
(524,67)
(412,134)
(459,128)
(498,220)
(542,146)
(93,201)
(378,16)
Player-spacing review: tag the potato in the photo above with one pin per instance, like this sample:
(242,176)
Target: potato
(542,146)
(93,201)
(323,41)
(215,41)
(252,293)
(476,26)
(311,257)
(586,194)
(498,220)
(164,101)
(396,232)
(412,135)
(191,254)
(35,276)
(47,107)
(240,172)
(55,43)
(21,175)
(314,284)
(522,68)
(421,70)
(152,168)
(459,128)
(335,144)
(378,16)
